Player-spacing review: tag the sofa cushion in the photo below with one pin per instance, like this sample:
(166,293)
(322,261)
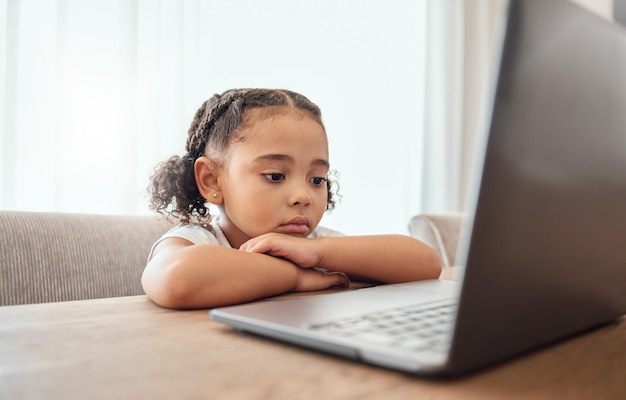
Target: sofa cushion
(439,231)
(48,257)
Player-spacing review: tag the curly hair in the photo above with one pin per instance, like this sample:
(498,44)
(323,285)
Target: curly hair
(173,191)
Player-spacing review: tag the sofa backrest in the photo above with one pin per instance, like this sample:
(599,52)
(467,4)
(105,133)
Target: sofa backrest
(439,231)
(49,257)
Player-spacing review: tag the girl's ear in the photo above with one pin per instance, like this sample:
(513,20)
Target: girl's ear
(206,172)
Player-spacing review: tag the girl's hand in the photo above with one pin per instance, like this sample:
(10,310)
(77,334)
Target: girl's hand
(303,253)
(312,279)
(300,251)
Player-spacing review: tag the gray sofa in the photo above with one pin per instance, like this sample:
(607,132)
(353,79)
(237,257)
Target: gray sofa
(50,257)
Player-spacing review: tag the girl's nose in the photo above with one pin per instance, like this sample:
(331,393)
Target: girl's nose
(300,196)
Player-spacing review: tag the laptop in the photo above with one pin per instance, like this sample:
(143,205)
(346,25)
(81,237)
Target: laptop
(544,248)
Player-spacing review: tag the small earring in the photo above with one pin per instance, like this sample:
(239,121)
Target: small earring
(214,195)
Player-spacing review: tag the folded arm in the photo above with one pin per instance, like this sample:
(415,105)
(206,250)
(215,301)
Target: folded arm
(182,275)
(381,258)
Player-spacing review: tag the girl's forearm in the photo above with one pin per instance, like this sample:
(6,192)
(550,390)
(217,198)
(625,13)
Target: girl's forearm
(383,258)
(205,276)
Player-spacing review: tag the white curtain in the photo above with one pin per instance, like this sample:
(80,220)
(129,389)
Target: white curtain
(483,30)
(94,93)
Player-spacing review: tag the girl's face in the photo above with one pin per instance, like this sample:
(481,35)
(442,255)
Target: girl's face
(274,179)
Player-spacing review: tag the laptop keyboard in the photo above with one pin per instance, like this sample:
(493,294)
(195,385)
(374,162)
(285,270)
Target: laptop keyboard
(413,328)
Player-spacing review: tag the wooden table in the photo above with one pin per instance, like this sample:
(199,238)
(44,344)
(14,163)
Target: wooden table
(129,348)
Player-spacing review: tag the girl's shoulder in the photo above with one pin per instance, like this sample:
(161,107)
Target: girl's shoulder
(198,234)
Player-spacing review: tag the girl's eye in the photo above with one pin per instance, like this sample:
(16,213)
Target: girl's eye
(317,181)
(275,177)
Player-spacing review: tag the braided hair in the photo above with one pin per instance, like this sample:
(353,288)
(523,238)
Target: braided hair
(173,191)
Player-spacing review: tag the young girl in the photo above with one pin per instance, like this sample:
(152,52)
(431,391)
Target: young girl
(261,157)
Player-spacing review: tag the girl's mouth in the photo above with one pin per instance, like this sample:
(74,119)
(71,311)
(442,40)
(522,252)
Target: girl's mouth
(297,225)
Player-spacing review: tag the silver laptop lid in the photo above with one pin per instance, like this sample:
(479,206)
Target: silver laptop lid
(547,255)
